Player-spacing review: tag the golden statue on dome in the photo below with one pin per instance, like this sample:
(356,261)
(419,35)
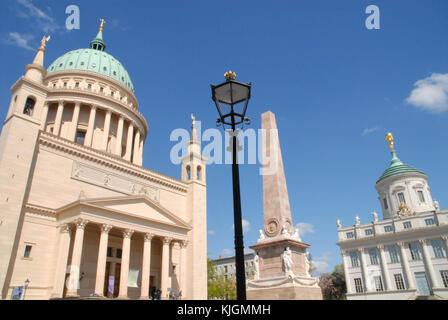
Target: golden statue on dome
(390,139)
(102,23)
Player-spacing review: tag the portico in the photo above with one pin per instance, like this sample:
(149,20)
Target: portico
(96,254)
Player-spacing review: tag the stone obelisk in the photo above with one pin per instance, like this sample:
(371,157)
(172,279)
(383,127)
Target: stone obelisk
(282,269)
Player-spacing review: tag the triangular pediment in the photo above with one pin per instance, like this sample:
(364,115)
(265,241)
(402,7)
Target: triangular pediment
(136,206)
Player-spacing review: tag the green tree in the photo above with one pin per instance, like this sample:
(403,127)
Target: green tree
(333,285)
(218,286)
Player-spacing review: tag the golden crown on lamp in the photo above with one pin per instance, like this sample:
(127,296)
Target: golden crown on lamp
(230,75)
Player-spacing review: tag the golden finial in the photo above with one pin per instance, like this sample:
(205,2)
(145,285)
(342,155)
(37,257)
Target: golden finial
(230,75)
(102,23)
(390,139)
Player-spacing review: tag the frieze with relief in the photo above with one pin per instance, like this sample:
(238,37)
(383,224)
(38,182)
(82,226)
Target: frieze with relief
(102,178)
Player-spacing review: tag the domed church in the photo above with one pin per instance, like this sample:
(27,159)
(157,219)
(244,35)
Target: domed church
(79,215)
(404,255)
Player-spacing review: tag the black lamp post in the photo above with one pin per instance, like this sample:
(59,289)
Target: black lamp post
(27,283)
(233,97)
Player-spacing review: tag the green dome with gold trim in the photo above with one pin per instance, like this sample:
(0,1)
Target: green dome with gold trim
(93,59)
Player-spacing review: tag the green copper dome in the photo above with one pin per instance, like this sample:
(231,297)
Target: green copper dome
(397,167)
(93,59)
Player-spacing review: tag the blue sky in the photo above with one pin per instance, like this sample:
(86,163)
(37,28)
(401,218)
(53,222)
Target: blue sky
(335,86)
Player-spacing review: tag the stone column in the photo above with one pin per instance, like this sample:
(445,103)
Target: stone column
(362,255)
(75,118)
(43,118)
(127,156)
(164,284)
(76,257)
(102,257)
(411,198)
(136,147)
(106,130)
(58,120)
(146,265)
(119,136)
(61,264)
(404,261)
(445,238)
(140,153)
(384,268)
(347,275)
(90,127)
(183,267)
(125,255)
(428,264)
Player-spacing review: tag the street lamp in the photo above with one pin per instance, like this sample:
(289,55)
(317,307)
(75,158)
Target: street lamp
(27,282)
(231,99)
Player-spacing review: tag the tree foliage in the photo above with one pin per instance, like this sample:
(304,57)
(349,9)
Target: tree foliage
(217,286)
(333,285)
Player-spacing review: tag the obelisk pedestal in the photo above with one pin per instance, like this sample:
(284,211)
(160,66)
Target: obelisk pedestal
(282,267)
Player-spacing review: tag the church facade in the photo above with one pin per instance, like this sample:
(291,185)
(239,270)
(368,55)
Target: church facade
(404,255)
(79,214)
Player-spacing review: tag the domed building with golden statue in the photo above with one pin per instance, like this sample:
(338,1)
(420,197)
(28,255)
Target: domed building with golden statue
(404,255)
(79,215)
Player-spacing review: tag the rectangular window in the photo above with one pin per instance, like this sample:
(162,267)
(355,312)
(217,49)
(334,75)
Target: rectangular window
(65,84)
(393,254)
(354,259)
(89,86)
(358,285)
(420,196)
(80,137)
(429,222)
(399,283)
(385,204)
(401,198)
(407,225)
(119,252)
(101,89)
(415,252)
(109,252)
(350,235)
(378,283)
(369,232)
(388,228)
(438,249)
(444,274)
(27,252)
(373,256)
(77,85)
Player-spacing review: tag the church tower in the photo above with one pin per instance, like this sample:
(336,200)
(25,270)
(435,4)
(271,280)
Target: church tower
(18,142)
(194,174)
(403,189)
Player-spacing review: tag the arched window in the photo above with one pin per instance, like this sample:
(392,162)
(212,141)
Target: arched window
(198,173)
(29,106)
(188,172)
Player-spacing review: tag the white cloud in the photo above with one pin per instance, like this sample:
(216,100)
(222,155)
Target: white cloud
(248,250)
(321,266)
(211,232)
(245,224)
(45,21)
(321,263)
(370,130)
(19,40)
(227,252)
(305,228)
(431,93)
